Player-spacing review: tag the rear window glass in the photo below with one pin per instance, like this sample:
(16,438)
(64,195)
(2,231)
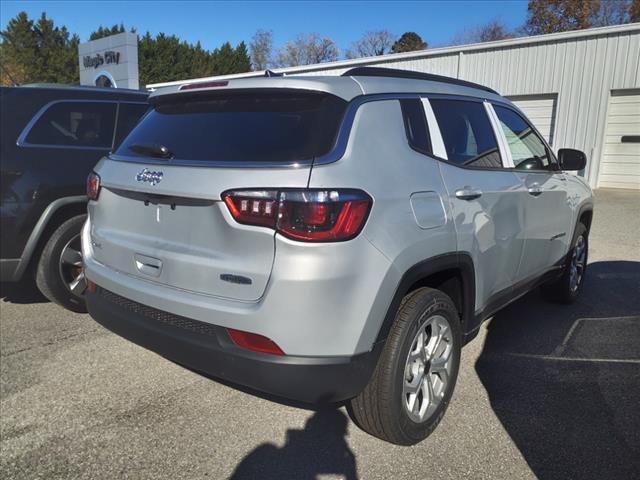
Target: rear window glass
(241,127)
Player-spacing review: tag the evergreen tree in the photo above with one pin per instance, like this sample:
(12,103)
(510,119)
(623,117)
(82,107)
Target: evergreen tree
(409,42)
(102,32)
(38,52)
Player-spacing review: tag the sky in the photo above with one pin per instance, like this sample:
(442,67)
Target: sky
(213,23)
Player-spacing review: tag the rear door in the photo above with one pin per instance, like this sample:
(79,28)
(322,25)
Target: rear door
(484,197)
(547,208)
(163,219)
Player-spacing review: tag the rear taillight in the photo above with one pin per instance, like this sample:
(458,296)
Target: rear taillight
(305,215)
(93,186)
(253,207)
(254,342)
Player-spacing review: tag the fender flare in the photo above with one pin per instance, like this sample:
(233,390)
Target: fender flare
(459,261)
(585,207)
(38,229)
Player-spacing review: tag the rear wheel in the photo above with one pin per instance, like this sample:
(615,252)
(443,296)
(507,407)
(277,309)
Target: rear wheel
(413,382)
(568,287)
(59,275)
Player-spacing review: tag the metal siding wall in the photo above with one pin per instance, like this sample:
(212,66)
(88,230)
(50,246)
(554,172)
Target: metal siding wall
(581,71)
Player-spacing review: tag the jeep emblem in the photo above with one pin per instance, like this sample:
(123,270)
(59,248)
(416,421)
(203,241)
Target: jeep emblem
(147,175)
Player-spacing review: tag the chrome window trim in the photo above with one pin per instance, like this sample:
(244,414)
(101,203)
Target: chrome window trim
(336,153)
(21,142)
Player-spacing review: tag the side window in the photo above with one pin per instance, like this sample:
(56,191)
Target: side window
(77,124)
(527,148)
(467,133)
(415,125)
(128,116)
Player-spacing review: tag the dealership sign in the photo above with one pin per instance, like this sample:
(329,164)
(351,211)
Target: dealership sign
(110,61)
(98,60)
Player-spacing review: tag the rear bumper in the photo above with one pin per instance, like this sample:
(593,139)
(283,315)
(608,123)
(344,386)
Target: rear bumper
(208,349)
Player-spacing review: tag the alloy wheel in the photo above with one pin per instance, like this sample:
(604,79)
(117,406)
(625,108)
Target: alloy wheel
(428,368)
(578,262)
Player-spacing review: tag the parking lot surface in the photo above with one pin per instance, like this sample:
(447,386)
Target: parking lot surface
(545,391)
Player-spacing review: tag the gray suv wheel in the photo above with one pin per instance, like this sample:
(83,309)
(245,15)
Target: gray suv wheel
(413,382)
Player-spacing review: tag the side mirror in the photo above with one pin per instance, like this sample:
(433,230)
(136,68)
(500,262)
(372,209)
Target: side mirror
(571,159)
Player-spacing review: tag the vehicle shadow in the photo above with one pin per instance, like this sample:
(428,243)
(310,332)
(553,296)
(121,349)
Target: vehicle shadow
(22,292)
(565,380)
(318,449)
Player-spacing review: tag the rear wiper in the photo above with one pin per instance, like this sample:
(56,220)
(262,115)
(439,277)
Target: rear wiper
(151,149)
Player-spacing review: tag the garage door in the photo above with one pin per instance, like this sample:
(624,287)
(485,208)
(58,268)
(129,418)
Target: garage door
(620,164)
(541,110)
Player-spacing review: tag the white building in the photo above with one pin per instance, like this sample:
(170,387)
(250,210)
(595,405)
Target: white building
(581,89)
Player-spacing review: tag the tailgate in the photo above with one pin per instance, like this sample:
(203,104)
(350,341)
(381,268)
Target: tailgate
(179,233)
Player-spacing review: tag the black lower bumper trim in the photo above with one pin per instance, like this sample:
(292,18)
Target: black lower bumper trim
(208,349)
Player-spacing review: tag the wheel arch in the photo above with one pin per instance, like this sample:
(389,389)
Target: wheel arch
(53,216)
(452,273)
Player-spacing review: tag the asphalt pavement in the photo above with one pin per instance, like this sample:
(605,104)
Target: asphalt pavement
(545,391)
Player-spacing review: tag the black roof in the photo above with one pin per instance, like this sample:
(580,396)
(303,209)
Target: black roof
(396,73)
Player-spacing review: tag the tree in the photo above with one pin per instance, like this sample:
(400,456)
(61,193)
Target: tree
(18,49)
(261,46)
(102,32)
(307,49)
(38,52)
(371,44)
(409,42)
(242,61)
(550,16)
(634,11)
(490,32)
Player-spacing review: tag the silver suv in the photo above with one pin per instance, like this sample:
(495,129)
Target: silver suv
(331,239)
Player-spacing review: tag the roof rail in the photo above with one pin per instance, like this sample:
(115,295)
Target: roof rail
(396,73)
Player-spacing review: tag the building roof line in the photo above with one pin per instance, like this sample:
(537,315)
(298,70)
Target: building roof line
(431,52)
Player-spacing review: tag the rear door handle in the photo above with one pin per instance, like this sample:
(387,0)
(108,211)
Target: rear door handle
(468,193)
(535,189)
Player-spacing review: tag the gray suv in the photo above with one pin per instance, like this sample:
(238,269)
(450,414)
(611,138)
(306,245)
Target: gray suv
(331,239)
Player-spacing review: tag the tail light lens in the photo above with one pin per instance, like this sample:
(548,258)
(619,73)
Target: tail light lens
(304,215)
(93,186)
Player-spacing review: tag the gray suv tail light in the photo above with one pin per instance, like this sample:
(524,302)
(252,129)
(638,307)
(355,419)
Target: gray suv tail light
(333,215)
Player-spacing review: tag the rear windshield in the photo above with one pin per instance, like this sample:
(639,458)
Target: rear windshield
(241,127)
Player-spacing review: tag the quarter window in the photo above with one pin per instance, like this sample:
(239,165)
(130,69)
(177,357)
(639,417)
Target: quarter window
(527,148)
(415,125)
(75,124)
(467,133)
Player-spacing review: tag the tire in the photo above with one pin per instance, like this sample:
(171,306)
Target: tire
(383,407)
(62,281)
(567,288)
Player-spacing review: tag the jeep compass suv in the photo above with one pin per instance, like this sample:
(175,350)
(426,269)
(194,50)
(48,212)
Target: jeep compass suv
(331,239)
